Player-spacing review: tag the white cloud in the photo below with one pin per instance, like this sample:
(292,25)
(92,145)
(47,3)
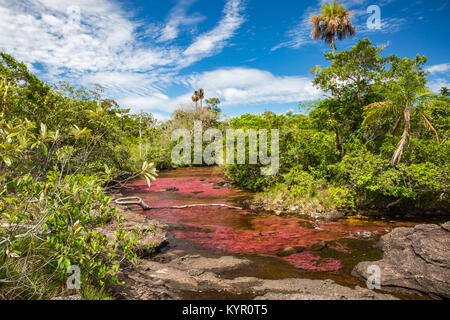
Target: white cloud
(439,68)
(213,41)
(99,36)
(96,41)
(178,18)
(299,34)
(236,87)
(435,85)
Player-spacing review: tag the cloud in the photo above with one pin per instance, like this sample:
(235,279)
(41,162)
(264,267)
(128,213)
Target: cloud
(213,41)
(439,68)
(435,85)
(99,36)
(236,87)
(299,34)
(97,41)
(93,36)
(178,18)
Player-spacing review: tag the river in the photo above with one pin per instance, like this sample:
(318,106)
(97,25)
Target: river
(324,249)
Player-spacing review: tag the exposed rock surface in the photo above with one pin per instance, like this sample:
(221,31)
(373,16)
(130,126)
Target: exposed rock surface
(198,274)
(172,274)
(414,259)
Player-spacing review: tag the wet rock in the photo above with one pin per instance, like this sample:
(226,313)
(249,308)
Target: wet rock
(197,262)
(139,285)
(153,234)
(414,259)
(194,273)
(306,289)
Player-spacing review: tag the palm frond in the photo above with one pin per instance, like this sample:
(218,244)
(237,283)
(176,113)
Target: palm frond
(430,126)
(379,110)
(397,126)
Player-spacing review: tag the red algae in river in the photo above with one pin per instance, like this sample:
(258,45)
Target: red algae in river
(242,231)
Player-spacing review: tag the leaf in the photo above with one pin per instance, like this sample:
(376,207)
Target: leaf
(144,166)
(43,131)
(44,149)
(7,161)
(149,183)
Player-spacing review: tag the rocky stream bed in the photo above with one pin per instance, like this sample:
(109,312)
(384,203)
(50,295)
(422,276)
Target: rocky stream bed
(228,253)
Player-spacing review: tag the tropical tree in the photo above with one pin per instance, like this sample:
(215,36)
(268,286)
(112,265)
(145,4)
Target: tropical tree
(333,21)
(403,87)
(348,83)
(195,98)
(201,96)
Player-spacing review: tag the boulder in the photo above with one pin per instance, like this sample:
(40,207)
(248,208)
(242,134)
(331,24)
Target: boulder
(415,260)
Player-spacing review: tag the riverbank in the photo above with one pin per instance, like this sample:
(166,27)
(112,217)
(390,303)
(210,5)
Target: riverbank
(281,203)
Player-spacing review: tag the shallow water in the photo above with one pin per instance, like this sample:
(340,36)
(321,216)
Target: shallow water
(258,236)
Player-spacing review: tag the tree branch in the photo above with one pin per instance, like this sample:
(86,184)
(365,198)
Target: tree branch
(144,206)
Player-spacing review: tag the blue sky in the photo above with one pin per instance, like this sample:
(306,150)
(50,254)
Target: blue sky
(254,55)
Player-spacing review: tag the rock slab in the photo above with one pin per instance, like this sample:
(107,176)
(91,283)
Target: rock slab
(414,260)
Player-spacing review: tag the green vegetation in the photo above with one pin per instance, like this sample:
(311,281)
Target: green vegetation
(345,155)
(377,141)
(59,148)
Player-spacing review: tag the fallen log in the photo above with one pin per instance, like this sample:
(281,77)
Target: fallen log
(144,206)
(132,200)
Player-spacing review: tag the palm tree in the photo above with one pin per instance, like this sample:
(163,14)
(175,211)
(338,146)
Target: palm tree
(403,87)
(195,98)
(201,95)
(333,21)
(401,105)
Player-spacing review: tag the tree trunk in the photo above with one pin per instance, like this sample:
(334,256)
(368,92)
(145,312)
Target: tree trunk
(405,136)
(338,141)
(333,44)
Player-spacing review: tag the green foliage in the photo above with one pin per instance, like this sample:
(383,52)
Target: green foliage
(339,155)
(59,148)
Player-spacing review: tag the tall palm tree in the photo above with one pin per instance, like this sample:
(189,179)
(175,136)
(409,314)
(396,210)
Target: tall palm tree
(195,98)
(201,95)
(333,21)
